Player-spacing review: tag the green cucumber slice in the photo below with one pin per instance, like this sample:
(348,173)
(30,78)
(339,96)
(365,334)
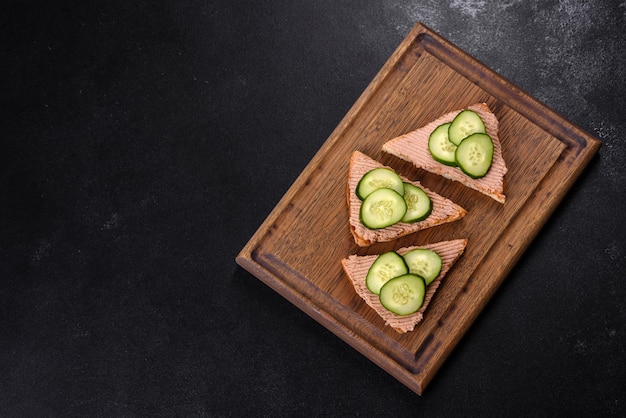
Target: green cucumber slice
(382,208)
(440,146)
(419,205)
(403,295)
(424,263)
(386,266)
(466,123)
(474,155)
(378,178)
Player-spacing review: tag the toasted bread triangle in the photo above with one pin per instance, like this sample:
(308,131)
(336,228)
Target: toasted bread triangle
(444,210)
(413,147)
(357,267)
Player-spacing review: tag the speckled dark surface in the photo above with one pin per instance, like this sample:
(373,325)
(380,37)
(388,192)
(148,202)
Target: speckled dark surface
(143,144)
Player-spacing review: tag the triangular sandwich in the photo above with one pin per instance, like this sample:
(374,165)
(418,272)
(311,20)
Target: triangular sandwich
(357,268)
(443,210)
(413,147)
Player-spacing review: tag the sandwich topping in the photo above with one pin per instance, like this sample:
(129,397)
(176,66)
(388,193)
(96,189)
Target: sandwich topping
(400,281)
(463,143)
(388,200)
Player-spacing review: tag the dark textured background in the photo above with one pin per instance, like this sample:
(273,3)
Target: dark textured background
(143,143)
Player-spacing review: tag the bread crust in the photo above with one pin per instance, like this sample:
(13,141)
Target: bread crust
(413,147)
(444,210)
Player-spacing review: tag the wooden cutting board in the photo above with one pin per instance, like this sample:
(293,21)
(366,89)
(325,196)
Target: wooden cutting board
(298,249)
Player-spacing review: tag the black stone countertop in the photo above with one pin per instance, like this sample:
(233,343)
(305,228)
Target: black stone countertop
(143,143)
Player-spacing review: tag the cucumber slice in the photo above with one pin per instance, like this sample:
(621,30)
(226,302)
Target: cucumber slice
(440,146)
(386,266)
(403,295)
(379,178)
(474,155)
(425,263)
(382,208)
(467,122)
(419,205)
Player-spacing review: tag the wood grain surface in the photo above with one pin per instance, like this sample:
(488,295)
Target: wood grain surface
(297,250)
